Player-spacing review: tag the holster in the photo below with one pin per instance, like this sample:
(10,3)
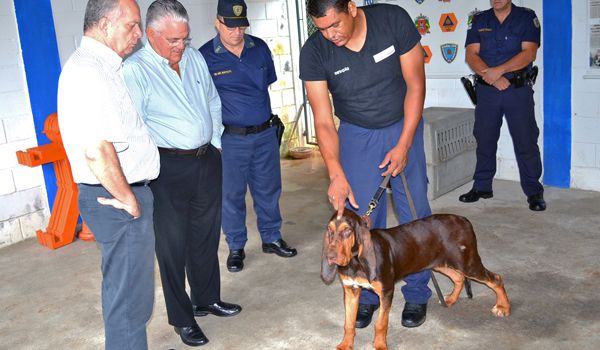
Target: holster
(470,89)
(276,122)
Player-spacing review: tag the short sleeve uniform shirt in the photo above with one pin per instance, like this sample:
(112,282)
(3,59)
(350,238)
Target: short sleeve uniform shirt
(242,82)
(499,42)
(367,87)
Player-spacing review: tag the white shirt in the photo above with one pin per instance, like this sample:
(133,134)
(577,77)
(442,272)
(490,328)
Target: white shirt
(94,105)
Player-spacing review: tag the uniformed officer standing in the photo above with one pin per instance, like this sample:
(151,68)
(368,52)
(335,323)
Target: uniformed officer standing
(242,69)
(501,45)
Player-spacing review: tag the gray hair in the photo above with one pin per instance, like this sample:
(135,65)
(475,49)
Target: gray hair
(160,9)
(96,10)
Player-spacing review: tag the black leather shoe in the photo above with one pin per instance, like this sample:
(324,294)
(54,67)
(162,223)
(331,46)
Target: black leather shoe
(413,315)
(191,336)
(235,260)
(537,202)
(220,308)
(473,196)
(365,314)
(280,248)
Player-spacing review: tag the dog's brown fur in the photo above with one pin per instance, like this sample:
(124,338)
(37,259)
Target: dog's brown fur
(378,258)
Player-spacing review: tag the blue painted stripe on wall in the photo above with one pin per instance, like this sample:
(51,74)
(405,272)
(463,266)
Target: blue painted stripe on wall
(42,69)
(557,92)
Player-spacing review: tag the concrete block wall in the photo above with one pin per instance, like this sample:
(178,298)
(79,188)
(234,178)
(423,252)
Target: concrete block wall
(585,106)
(23,199)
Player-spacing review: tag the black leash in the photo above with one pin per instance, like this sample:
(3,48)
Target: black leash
(375,201)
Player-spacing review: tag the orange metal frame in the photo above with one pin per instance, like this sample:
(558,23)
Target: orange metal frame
(65,212)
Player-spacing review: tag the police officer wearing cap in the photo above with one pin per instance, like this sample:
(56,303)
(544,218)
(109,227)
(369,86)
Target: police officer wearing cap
(242,69)
(501,45)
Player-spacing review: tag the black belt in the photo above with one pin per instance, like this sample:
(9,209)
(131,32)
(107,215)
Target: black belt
(185,152)
(253,129)
(135,184)
(514,81)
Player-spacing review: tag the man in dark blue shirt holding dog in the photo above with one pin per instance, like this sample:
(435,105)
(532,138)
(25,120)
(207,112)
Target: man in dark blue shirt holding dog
(372,63)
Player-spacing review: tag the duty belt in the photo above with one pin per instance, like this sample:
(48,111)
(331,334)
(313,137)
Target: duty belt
(185,152)
(252,129)
(519,78)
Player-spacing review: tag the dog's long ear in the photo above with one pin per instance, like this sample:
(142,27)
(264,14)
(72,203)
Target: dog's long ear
(365,249)
(327,271)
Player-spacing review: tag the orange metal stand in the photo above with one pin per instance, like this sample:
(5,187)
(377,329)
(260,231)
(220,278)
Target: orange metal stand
(63,220)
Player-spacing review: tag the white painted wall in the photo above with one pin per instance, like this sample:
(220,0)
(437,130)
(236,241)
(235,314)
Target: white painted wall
(585,107)
(23,204)
(23,199)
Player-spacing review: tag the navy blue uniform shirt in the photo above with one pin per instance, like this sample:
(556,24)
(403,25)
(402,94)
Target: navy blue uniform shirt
(242,82)
(500,42)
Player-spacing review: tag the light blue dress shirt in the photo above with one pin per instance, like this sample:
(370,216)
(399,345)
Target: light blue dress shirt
(180,112)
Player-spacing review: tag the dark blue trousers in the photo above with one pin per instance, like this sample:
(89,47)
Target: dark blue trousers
(251,161)
(517,106)
(361,151)
(127,247)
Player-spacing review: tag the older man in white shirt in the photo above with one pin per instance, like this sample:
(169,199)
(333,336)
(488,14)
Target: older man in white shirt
(113,157)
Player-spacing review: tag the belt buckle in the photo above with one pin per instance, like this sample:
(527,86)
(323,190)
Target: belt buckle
(252,129)
(202,150)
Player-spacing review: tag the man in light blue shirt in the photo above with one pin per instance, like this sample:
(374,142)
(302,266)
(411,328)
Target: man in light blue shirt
(175,95)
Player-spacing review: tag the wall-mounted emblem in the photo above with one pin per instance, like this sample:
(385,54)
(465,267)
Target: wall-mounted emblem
(448,22)
(422,24)
(449,52)
(419,1)
(427,53)
(470,18)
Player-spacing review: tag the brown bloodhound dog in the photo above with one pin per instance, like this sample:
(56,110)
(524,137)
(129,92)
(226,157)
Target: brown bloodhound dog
(376,259)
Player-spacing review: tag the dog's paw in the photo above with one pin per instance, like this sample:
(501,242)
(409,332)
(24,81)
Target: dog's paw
(501,310)
(450,300)
(344,346)
(380,347)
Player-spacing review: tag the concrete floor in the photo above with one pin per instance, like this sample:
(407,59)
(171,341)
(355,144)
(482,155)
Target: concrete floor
(549,261)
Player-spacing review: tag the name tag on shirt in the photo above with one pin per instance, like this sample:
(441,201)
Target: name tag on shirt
(384,54)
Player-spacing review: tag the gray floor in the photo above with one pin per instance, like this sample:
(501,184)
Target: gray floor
(549,260)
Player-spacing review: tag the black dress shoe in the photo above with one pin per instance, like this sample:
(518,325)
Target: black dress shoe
(191,336)
(537,202)
(413,315)
(473,196)
(235,260)
(365,314)
(280,248)
(220,308)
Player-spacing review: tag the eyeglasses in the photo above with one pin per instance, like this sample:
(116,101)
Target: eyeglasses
(175,42)
(231,29)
